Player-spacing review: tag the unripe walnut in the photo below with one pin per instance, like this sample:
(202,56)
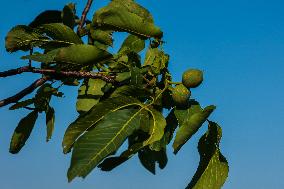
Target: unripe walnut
(180,94)
(192,78)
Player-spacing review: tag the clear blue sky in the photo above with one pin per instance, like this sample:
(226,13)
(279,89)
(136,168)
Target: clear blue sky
(240,46)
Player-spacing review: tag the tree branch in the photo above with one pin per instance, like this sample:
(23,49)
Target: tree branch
(84,15)
(54,73)
(24,92)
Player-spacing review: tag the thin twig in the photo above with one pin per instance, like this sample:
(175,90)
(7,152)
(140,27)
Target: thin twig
(24,92)
(84,15)
(60,74)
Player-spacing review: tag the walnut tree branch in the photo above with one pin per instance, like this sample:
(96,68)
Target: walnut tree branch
(55,73)
(24,92)
(84,15)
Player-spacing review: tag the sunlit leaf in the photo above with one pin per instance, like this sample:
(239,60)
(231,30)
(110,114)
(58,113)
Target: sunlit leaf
(213,167)
(102,140)
(132,43)
(190,120)
(93,116)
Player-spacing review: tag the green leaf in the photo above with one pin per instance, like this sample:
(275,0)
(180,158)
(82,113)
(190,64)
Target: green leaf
(132,43)
(43,97)
(68,15)
(158,124)
(22,104)
(60,32)
(102,140)
(102,36)
(119,18)
(44,58)
(22,132)
(157,59)
(81,55)
(171,126)
(131,90)
(22,37)
(46,17)
(93,116)
(122,76)
(136,78)
(89,94)
(213,168)
(190,120)
(148,159)
(50,119)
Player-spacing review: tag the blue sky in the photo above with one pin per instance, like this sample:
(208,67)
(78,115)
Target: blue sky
(239,44)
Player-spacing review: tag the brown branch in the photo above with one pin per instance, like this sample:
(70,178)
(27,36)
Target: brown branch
(24,92)
(84,15)
(55,74)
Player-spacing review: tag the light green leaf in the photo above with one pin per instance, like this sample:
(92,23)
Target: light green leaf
(213,167)
(122,76)
(60,32)
(190,120)
(89,94)
(119,18)
(132,43)
(102,140)
(158,124)
(50,119)
(102,36)
(81,55)
(22,132)
(93,116)
(46,17)
(23,38)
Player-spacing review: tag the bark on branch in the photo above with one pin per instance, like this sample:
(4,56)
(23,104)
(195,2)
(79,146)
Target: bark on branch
(84,15)
(55,74)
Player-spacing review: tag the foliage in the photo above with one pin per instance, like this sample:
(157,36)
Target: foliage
(120,98)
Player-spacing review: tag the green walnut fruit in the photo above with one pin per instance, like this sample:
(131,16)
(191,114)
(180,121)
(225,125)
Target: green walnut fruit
(192,78)
(180,94)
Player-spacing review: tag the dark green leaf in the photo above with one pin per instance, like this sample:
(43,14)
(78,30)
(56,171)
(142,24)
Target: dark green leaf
(190,120)
(22,104)
(22,132)
(93,116)
(102,140)
(68,15)
(44,58)
(50,119)
(136,78)
(213,167)
(157,59)
(46,17)
(148,159)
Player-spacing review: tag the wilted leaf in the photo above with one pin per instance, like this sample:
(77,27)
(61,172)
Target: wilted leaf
(190,120)
(213,167)
(102,140)
(22,132)
(50,119)
(86,121)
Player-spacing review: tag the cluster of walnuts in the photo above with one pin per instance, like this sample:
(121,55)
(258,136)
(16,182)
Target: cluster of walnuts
(191,78)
